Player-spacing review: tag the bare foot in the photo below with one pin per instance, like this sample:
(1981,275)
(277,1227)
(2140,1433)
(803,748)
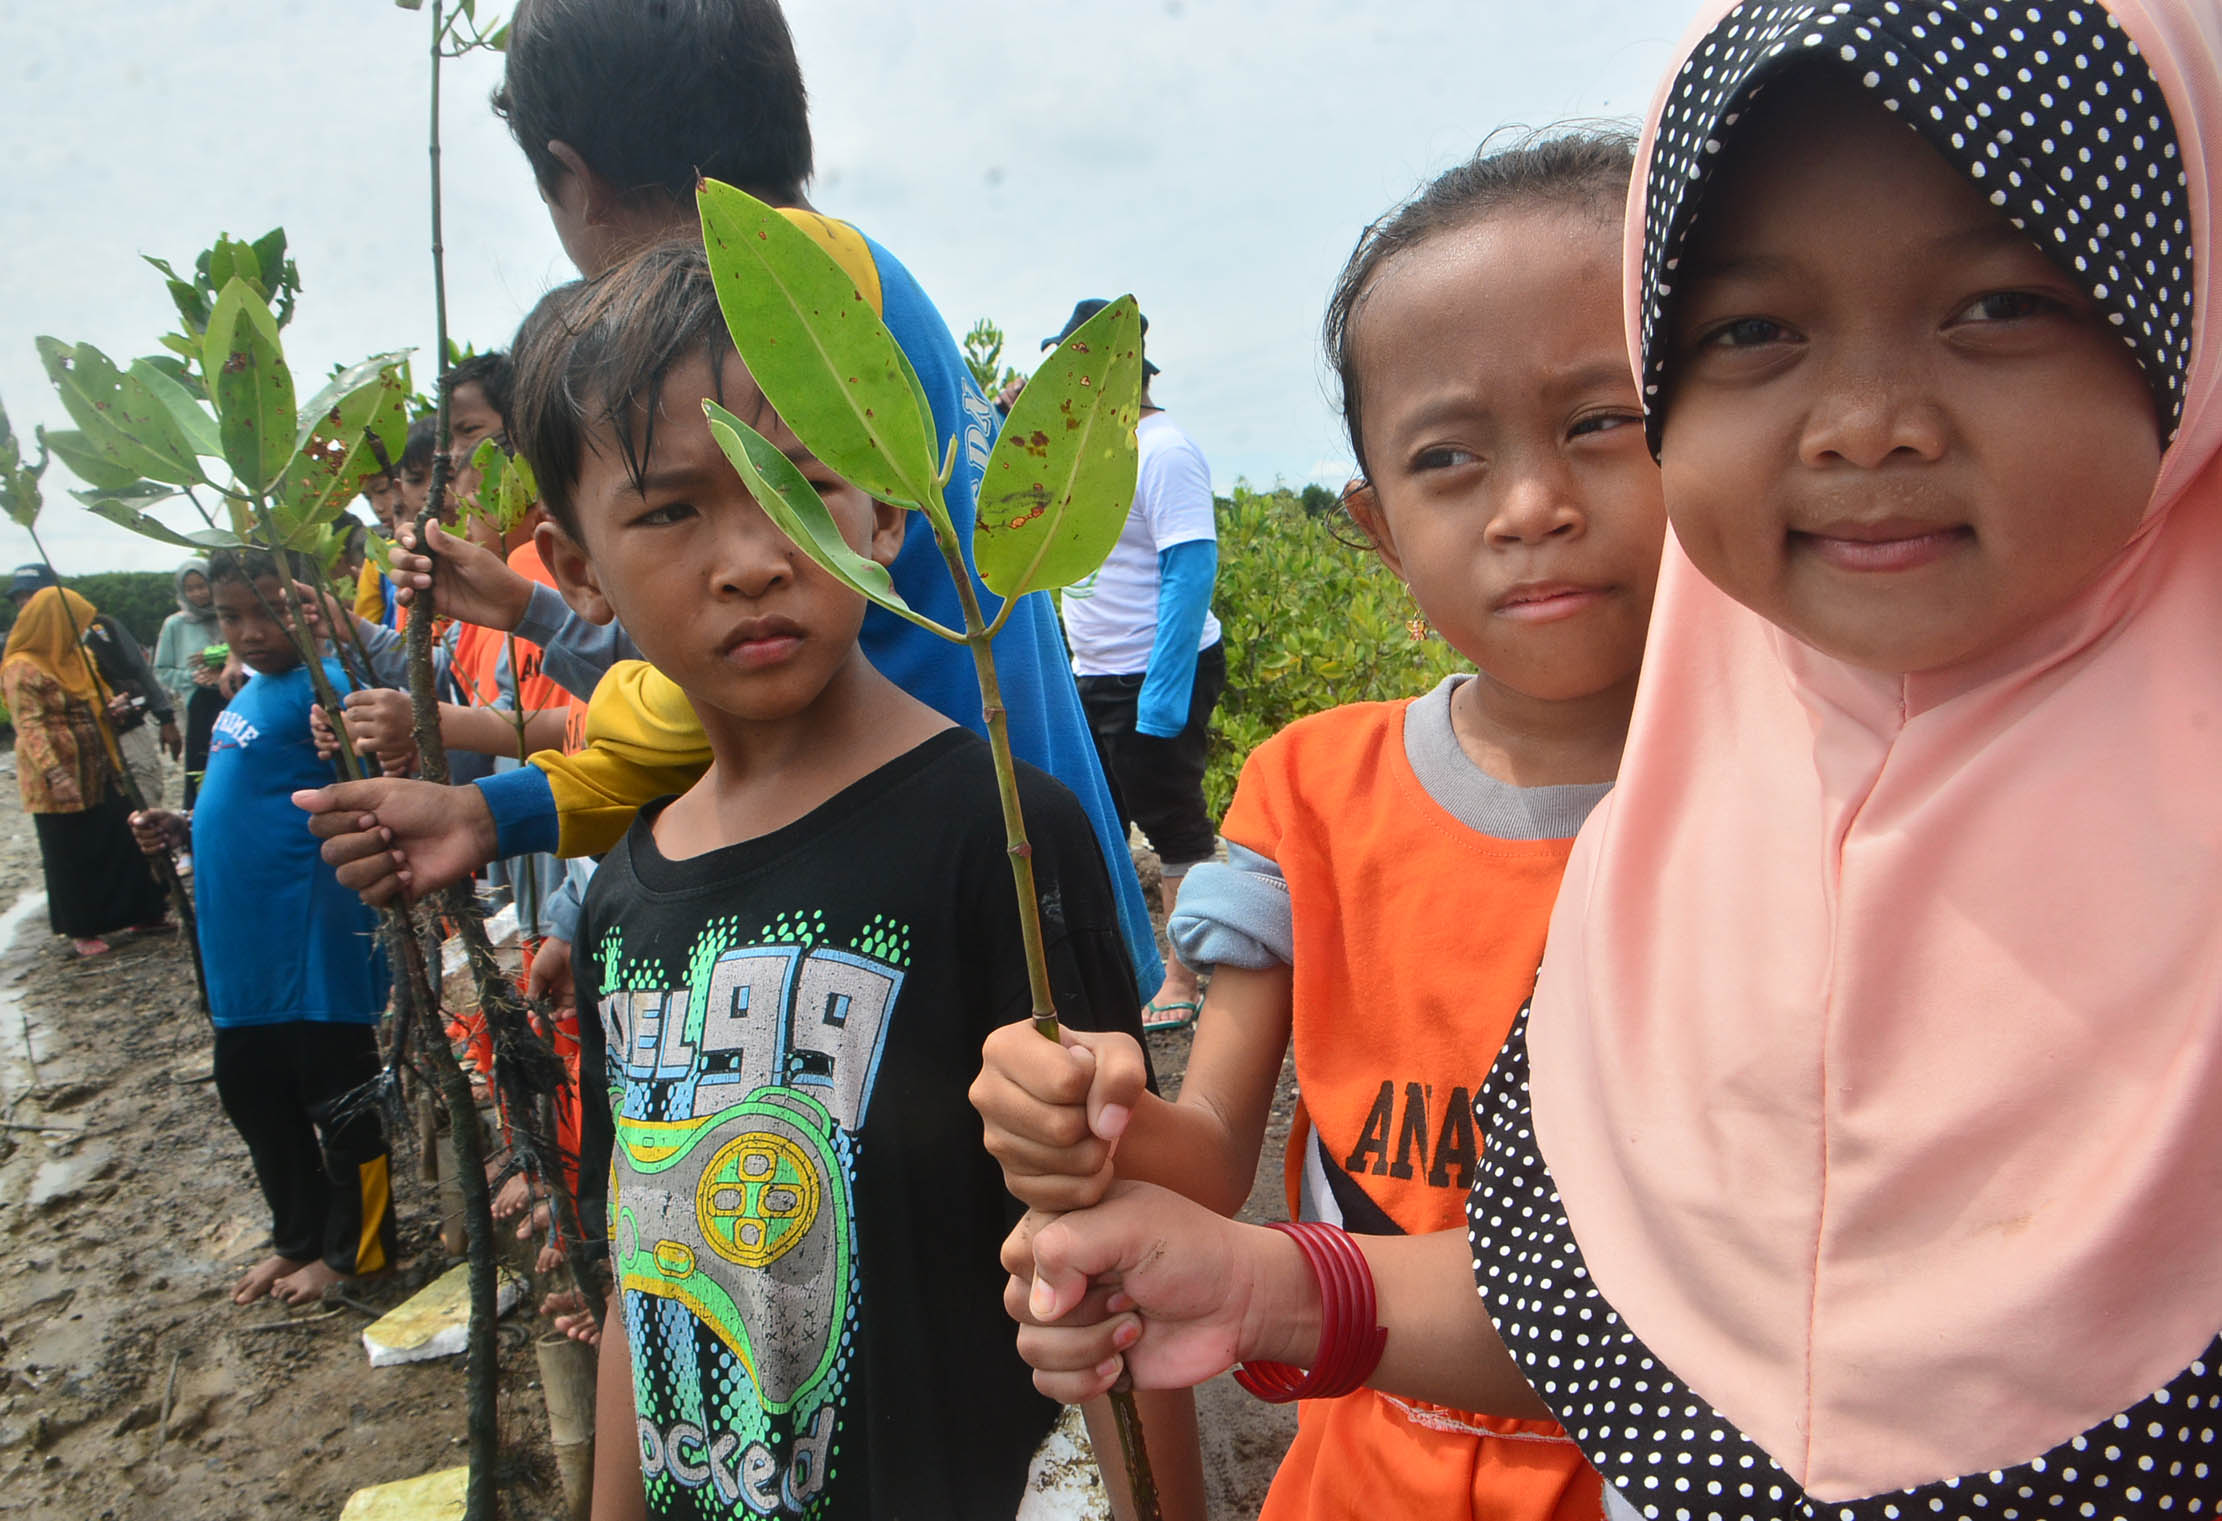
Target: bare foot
(90,946)
(307,1283)
(514,1196)
(567,1308)
(263,1276)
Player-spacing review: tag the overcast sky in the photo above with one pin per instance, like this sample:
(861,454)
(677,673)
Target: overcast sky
(1216,158)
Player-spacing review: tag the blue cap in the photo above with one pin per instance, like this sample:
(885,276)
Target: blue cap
(1081,312)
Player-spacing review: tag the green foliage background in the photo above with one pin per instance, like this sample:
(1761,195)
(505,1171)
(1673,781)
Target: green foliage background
(137,599)
(1311,623)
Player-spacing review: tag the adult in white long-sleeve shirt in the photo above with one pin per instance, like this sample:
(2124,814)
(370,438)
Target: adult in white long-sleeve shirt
(1147,653)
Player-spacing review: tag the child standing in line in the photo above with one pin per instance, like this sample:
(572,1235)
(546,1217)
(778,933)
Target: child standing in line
(296,981)
(789,967)
(413,471)
(1392,865)
(190,680)
(1859,1158)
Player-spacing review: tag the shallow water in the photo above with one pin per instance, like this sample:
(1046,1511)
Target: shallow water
(24,1041)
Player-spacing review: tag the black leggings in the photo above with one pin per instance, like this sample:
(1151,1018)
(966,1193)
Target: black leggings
(1159,783)
(320,1159)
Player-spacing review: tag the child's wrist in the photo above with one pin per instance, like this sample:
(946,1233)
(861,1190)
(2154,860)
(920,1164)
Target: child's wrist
(1287,1307)
(1344,1331)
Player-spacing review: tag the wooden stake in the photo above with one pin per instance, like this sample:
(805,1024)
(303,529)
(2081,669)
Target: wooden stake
(567,1371)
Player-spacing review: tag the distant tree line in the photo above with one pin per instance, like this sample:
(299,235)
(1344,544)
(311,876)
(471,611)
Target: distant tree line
(138,599)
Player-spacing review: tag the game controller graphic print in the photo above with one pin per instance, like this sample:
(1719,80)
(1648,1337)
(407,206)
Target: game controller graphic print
(739,1098)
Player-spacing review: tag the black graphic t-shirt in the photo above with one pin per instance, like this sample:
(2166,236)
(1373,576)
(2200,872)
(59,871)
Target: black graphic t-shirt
(804,1223)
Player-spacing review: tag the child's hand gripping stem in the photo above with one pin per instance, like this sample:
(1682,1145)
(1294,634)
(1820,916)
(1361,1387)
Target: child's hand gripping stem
(1053,496)
(1053,1118)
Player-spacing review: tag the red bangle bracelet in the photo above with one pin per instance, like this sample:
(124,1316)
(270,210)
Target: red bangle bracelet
(1350,1341)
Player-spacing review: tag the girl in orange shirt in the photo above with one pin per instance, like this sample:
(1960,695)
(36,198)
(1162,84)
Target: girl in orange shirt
(1392,866)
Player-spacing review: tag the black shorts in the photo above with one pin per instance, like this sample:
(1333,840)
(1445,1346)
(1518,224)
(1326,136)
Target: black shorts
(1159,783)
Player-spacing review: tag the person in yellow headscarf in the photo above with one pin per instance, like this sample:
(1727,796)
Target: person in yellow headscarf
(96,879)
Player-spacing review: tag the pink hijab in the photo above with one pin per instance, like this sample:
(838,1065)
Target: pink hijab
(1877,1055)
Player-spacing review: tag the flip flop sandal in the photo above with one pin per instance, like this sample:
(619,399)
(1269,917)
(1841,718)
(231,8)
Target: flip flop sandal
(1164,1018)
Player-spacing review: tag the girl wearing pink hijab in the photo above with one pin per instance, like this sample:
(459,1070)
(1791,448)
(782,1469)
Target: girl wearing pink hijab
(1861,1155)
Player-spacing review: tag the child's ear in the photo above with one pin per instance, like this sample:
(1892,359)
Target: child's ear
(888,524)
(1364,506)
(598,199)
(573,572)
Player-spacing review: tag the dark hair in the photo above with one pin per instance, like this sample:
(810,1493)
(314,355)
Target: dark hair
(654,93)
(1575,167)
(416,449)
(246,566)
(492,373)
(592,358)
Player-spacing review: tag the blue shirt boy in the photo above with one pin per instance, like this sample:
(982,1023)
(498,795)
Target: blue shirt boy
(281,939)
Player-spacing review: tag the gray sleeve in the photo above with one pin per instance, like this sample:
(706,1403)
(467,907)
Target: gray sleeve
(577,653)
(1234,913)
(561,916)
(388,652)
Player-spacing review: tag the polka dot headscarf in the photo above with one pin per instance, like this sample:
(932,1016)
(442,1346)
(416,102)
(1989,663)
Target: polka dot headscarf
(2048,107)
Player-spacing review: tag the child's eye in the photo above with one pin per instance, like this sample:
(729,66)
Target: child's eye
(2001,306)
(667,514)
(1745,333)
(1602,422)
(1443,457)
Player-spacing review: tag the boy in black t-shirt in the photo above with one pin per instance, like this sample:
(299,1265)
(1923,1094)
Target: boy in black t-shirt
(793,965)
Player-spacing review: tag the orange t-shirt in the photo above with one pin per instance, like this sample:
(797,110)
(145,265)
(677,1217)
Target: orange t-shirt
(1416,941)
(479,652)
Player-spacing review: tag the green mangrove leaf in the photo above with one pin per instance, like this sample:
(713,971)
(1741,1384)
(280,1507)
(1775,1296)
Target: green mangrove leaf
(342,397)
(249,382)
(1060,479)
(360,414)
(165,419)
(85,461)
(789,500)
(190,300)
(516,498)
(19,482)
(124,510)
(179,371)
(492,465)
(824,359)
(230,259)
(507,488)
(270,256)
(91,389)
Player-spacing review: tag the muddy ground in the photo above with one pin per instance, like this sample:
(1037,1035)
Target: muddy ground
(132,1388)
